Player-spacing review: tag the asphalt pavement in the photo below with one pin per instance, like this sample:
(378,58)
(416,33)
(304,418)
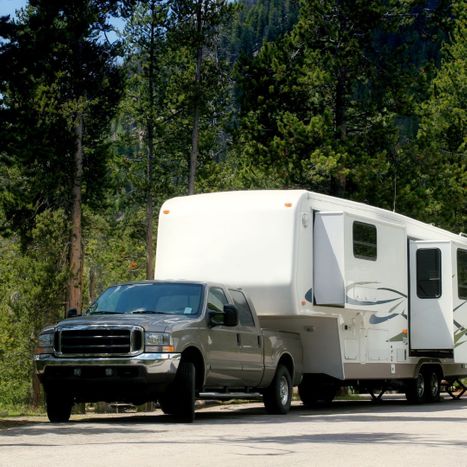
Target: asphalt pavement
(348,433)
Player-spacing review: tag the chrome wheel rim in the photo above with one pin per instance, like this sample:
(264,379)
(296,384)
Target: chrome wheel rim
(434,384)
(420,386)
(284,391)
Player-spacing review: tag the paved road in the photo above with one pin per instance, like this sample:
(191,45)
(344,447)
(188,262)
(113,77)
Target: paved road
(350,433)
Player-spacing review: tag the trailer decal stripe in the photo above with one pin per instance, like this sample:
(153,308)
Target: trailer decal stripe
(352,301)
(461,332)
(392,290)
(401,337)
(381,319)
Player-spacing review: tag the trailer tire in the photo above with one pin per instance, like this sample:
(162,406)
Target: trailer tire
(415,391)
(313,392)
(432,385)
(58,407)
(277,397)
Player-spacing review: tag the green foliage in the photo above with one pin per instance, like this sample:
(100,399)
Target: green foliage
(31,296)
(115,250)
(53,68)
(442,139)
(256,22)
(332,106)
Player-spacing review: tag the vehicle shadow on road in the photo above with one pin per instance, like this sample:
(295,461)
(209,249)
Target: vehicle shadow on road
(252,413)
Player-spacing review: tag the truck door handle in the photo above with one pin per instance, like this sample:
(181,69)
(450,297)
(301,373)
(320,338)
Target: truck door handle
(259,341)
(239,340)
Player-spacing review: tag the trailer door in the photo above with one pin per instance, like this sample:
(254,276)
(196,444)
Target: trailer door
(460,303)
(431,315)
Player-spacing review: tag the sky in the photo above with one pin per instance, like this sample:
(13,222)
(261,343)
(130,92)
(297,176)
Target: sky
(8,7)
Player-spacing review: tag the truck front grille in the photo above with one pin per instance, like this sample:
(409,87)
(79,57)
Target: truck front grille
(101,341)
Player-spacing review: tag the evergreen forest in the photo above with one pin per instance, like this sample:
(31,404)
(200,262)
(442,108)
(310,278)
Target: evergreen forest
(110,107)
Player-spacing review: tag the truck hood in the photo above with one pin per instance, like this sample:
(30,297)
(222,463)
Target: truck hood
(160,323)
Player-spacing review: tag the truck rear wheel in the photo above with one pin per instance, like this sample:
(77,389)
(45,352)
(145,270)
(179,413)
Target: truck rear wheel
(278,396)
(58,407)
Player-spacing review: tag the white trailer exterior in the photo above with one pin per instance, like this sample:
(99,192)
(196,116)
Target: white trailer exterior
(379,299)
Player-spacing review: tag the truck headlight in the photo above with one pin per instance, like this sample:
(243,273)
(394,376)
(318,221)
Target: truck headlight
(45,343)
(158,342)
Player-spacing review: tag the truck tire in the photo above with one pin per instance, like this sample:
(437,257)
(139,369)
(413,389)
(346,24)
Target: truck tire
(58,407)
(179,400)
(278,396)
(432,385)
(415,390)
(167,403)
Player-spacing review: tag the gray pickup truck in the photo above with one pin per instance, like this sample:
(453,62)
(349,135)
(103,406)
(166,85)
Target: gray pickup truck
(171,342)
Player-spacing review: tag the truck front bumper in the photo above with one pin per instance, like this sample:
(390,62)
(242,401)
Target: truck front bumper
(162,366)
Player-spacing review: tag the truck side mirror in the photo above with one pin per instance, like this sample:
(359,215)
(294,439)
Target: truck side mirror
(71,313)
(230,315)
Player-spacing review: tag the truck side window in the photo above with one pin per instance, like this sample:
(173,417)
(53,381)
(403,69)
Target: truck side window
(429,273)
(244,313)
(216,300)
(462,274)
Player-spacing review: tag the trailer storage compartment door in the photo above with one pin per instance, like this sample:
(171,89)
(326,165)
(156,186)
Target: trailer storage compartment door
(431,305)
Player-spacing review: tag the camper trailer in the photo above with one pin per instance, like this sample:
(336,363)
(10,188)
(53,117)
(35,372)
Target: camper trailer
(379,299)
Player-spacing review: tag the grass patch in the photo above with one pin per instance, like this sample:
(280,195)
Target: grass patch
(21,410)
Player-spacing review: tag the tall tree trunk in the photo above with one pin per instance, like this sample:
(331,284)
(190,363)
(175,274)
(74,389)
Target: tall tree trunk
(150,208)
(150,156)
(338,184)
(341,127)
(194,150)
(196,103)
(76,249)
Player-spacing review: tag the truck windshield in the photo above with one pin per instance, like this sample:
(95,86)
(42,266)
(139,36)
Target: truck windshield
(150,298)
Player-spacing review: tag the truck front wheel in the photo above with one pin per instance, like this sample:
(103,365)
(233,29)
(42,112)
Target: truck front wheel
(58,407)
(278,396)
(179,400)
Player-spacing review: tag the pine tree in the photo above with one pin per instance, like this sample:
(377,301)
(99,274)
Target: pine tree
(440,151)
(60,84)
(196,30)
(144,105)
(329,106)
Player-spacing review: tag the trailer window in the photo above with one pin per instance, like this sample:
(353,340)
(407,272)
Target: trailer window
(429,273)
(364,241)
(244,313)
(462,274)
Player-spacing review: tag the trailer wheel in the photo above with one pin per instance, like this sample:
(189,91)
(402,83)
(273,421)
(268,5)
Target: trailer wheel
(58,407)
(312,391)
(415,391)
(277,397)
(433,386)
